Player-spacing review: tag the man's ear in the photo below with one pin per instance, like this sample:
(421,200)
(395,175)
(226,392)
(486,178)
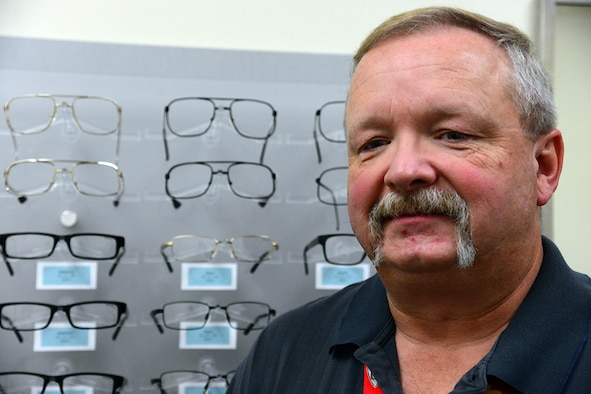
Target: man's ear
(549,150)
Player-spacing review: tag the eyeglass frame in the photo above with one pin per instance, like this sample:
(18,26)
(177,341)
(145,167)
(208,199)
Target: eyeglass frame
(166,121)
(119,243)
(22,198)
(210,378)
(121,316)
(56,105)
(321,240)
(229,241)
(321,185)
(118,381)
(175,200)
(246,331)
(318,127)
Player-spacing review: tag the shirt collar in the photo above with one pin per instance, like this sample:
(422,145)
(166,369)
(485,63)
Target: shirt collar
(528,354)
(369,305)
(531,360)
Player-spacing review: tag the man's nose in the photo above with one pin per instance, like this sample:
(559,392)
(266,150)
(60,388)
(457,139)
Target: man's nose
(410,165)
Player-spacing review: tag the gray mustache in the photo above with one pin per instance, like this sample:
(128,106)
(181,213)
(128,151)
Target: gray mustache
(422,202)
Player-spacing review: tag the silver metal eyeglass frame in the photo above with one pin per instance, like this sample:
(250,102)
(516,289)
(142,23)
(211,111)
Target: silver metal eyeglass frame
(58,104)
(22,197)
(265,256)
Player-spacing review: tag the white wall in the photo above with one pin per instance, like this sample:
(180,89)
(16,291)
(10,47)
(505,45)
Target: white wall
(326,26)
(572,80)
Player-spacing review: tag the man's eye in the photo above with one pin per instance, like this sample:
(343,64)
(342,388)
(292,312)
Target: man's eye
(453,136)
(374,144)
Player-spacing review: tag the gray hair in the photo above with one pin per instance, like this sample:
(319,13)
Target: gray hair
(530,86)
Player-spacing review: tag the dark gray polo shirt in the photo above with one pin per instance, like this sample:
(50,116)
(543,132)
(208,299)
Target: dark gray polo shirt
(322,347)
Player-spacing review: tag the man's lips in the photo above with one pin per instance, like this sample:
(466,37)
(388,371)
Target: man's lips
(414,219)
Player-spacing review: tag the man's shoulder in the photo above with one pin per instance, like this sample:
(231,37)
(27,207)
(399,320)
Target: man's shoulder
(318,308)
(321,316)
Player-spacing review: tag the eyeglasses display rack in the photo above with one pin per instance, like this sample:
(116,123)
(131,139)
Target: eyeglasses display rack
(195,173)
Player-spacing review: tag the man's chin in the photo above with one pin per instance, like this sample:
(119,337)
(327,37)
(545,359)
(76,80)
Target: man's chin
(432,253)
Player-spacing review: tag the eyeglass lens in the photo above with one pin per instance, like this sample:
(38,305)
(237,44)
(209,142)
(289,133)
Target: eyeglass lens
(192,315)
(36,177)
(31,316)
(26,383)
(34,114)
(331,121)
(194,116)
(200,249)
(343,250)
(40,245)
(247,180)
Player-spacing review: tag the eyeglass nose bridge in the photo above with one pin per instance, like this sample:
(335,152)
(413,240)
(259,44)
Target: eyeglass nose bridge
(62,105)
(228,242)
(67,185)
(216,172)
(53,381)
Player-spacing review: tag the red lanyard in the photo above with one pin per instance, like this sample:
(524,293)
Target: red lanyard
(370,384)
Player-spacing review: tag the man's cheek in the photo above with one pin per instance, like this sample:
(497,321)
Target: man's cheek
(361,197)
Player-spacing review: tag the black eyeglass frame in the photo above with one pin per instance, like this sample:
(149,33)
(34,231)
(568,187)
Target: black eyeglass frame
(318,127)
(119,243)
(118,381)
(121,316)
(226,377)
(263,199)
(334,202)
(228,107)
(321,240)
(252,327)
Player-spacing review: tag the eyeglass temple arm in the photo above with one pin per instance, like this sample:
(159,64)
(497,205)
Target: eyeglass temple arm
(259,261)
(156,322)
(119,326)
(116,262)
(162,247)
(23,199)
(262,258)
(248,329)
(263,150)
(13,329)
(176,203)
(315,134)
(310,245)
(8,266)
(166,154)
(158,382)
(264,202)
(118,197)
(334,202)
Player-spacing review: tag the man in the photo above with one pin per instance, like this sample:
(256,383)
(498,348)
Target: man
(452,151)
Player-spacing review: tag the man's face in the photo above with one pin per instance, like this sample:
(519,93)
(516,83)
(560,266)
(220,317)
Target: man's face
(432,111)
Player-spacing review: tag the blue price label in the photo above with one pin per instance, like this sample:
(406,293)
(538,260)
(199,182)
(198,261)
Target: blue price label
(66,275)
(333,277)
(221,276)
(212,336)
(59,337)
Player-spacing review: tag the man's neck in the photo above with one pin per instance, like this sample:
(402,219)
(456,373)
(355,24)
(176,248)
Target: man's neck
(447,322)
(462,306)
